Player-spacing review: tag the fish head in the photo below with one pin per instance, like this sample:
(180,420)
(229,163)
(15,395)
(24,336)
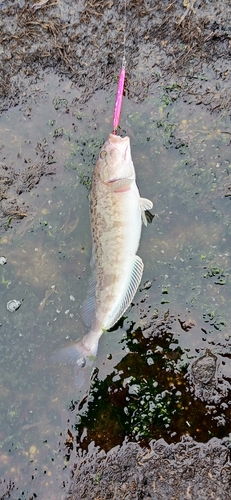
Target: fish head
(115,161)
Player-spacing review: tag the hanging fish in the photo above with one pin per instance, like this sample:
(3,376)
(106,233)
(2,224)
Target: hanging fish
(116,212)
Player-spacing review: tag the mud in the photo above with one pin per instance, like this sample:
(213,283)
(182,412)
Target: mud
(12,185)
(186,470)
(83,41)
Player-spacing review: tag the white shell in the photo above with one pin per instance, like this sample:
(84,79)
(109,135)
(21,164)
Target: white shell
(13,305)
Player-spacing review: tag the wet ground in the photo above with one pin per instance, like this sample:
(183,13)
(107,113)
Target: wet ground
(162,377)
(183,470)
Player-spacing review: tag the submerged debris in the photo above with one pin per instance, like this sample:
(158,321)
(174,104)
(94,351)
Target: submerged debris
(3,261)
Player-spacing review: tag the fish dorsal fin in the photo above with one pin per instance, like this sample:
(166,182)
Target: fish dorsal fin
(145,204)
(135,279)
(88,307)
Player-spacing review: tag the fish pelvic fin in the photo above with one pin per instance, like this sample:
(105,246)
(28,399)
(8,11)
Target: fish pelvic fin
(145,204)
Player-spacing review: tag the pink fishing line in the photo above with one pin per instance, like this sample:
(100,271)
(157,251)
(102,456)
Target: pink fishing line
(118,101)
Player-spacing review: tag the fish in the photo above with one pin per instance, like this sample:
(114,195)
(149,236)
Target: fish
(116,214)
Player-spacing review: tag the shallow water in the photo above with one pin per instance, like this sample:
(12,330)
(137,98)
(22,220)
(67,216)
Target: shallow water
(143,377)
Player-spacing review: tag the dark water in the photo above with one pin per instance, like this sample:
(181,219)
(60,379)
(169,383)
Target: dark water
(165,371)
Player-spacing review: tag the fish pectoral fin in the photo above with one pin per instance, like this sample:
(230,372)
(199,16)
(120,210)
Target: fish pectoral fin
(120,185)
(145,204)
(134,282)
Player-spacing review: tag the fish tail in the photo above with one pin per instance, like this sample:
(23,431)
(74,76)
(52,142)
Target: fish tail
(80,354)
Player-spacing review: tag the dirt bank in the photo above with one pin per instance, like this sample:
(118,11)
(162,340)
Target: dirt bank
(186,470)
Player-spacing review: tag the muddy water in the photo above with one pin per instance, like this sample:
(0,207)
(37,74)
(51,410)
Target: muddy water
(165,370)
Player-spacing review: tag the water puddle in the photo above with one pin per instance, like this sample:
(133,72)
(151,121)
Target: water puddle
(165,370)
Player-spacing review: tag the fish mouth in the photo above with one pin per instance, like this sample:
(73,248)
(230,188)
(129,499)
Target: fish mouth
(117,143)
(116,139)
(124,156)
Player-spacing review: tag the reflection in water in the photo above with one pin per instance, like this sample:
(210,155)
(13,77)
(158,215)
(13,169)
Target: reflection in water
(150,394)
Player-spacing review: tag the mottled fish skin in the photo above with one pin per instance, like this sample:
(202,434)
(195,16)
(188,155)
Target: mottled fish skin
(116,212)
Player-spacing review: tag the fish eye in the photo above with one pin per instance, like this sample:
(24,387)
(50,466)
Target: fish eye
(103,154)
